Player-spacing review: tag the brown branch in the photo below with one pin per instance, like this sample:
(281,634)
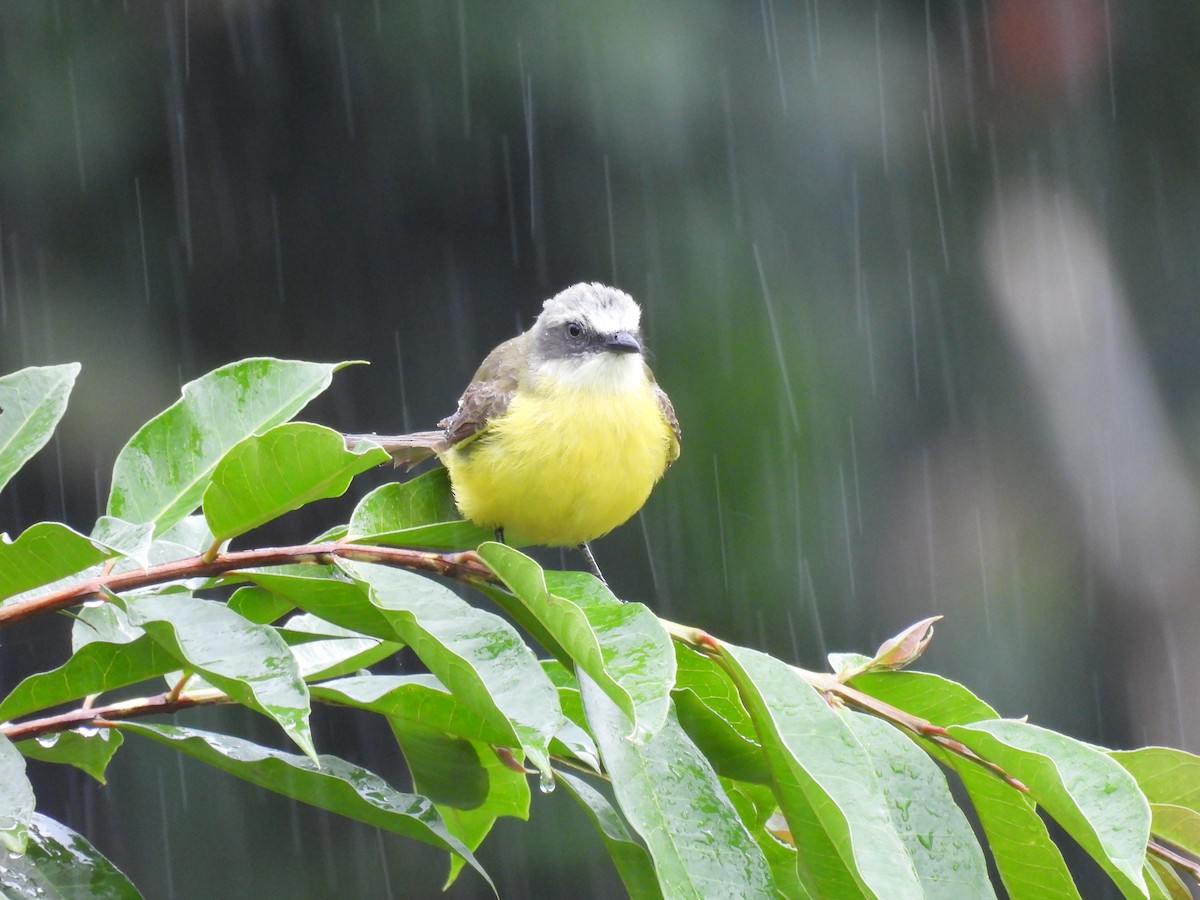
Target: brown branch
(98,715)
(1178,860)
(465,565)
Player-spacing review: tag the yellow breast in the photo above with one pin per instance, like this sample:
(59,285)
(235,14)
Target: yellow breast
(565,464)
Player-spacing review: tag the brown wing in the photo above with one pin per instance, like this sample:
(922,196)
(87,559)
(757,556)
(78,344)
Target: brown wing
(488,394)
(668,412)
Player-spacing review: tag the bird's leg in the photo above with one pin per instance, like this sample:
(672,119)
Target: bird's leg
(591,561)
(500,535)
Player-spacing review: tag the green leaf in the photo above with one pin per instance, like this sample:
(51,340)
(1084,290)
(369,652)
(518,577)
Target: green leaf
(1177,824)
(108,653)
(89,750)
(258,604)
(16,799)
(1088,793)
(160,476)
(324,650)
(507,795)
(130,539)
(249,662)
(940,700)
(1030,863)
(824,781)
(477,655)
(328,782)
(444,768)
(1164,881)
(420,699)
(59,864)
(45,553)
(621,646)
(948,859)
(419,512)
(1164,775)
(266,475)
(325,592)
(631,859)
(673,799)
(31,403)
(710,711)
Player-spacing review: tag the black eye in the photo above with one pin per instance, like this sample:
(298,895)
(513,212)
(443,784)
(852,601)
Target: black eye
(574,329)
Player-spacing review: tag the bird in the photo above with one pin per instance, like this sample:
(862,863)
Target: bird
(563,431)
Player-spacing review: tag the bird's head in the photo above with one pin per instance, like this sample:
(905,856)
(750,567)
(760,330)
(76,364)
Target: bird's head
(589,335)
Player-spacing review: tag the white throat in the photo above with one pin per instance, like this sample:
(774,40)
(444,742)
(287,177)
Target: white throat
(603,371)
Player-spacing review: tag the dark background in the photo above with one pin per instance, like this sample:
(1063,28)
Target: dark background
(919,277)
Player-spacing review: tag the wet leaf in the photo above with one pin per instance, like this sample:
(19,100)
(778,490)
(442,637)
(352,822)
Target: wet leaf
(44,554)
(420,699)
(1088,793)
(328,782)
(1029,862)
(160,476)
(109,653)
(824,782)
(710,711)
(265,475)
(1164,775)
(249,662)
(477,655)
(631,859)
(324,650)
(32,401)
(87,749)
(672,798)
(622,646)
(61,865)
(944,852)
(16,798)
(507,795)
(419,512)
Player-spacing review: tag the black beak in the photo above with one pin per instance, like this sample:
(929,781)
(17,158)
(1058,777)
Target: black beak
(623,342)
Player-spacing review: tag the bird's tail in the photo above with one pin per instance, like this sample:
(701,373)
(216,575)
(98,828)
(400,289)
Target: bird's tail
(405,449)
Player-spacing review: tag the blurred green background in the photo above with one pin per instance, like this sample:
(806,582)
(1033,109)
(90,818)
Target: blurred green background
(920,278)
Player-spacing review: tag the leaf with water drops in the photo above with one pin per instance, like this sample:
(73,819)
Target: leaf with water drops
(105,658)
(32,401)
(249,662)
(419,512)
(671,797)
(419,699)
(327,782)
(825,784)
(44,554)
(622,646)
(507,795)
(324,650)
(87,749)
(1086,791)
(16,798)
(1165,775)
(1029,862)
(60,864)
(631,859)
(477,655)
(710,711)
(944,852)
(160,476)
(266,475)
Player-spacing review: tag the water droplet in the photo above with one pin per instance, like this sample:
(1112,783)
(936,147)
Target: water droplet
(546,783)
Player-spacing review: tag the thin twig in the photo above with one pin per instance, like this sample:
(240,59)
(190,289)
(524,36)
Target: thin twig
(462,565)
